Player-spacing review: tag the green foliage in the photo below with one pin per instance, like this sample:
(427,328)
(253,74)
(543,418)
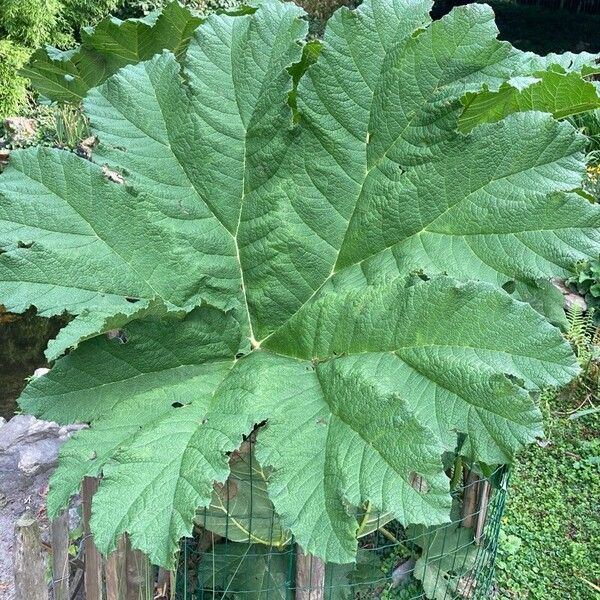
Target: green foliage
(66,76)
(84,13)
(141,8)
(26,25)
(447,562)
(245,571)
(551,530)
(542,29)
(546,93)
(265,273)
(13,94)
(586,282)
(32,23)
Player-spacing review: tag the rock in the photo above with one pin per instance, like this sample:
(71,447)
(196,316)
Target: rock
(40,456)
(21,129)
(28,452)
(401,574)
(571,298)
(25,428)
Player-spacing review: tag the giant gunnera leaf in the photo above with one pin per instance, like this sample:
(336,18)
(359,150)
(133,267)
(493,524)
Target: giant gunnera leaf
(324,256)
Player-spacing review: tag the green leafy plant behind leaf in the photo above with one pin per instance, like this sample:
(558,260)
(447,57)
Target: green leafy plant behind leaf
(448,559)
(244,571)
(255,232)
(586,282)
(67,75)
(562,94)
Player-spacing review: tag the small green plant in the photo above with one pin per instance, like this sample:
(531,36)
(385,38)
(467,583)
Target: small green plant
(586,282)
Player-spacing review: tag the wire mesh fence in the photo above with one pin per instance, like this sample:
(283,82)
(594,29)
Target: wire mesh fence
(241,550)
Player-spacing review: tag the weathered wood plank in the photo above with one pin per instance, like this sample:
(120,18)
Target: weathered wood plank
(140,575)
(484,501)
(59,531)
(115,573)
(310,576)
(469,502)
(93,560)
(29,561)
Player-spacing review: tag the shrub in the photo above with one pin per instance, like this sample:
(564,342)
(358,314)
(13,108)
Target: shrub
(33,23)
(138,8)
(13,92)
(83,13)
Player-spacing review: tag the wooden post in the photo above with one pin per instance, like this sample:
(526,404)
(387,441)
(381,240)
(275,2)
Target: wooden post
(469,502)
(310,576)
(484,500)
(29,561)
(93,560)
(163,585)
(115,570)
(60,556)
(140,580)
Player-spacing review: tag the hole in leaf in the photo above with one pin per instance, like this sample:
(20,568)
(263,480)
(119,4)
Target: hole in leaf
(226,491)
(418,483)
(239,355)
(510,286)
(112,175)
(118,335)
(132,300)
(514,379)
(176,405)
(27,244)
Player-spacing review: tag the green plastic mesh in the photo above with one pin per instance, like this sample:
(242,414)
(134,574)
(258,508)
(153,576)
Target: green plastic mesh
(240,550)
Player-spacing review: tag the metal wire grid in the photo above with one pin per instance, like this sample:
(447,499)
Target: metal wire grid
(241,551)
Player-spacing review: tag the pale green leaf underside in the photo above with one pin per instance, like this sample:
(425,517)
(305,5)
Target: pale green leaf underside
(303,238)
(354,398)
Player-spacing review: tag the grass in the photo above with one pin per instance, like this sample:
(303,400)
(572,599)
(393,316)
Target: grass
(550,540)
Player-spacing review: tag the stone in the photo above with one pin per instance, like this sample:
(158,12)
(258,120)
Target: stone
(402,573)
(40,456)
(571,298)
(28,453)
(21,129)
